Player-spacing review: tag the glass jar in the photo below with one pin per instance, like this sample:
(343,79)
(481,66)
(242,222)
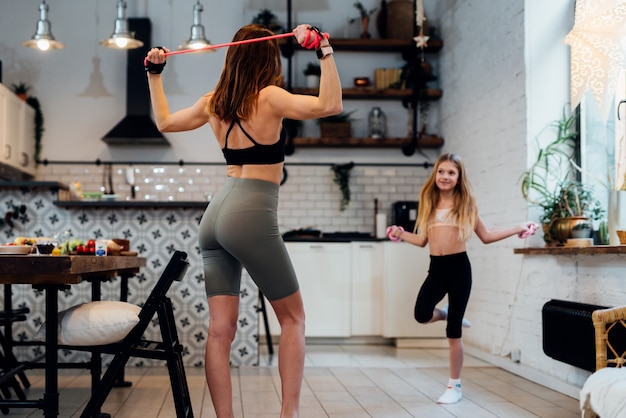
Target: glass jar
(377,123)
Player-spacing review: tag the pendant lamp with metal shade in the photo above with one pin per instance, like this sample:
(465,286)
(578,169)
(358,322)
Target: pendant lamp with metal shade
(197,39)
(43,39)
(121,38)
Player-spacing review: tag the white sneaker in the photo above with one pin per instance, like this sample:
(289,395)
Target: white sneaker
(450,396)
(464,323)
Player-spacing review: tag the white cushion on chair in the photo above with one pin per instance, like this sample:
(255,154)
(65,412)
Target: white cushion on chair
(95,323)
(604,394)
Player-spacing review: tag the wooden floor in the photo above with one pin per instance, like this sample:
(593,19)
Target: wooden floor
(339,381)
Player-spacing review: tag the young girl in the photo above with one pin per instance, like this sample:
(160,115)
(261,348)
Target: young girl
(447,215)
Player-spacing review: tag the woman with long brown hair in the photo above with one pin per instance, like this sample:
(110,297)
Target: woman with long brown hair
(240,227)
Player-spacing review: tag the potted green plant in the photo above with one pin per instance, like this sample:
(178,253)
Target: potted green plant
(365,16)
(312,72)
(21,89)
(34,103)
(336,125)
(541,184)
(342,179)
(581,230)
(268,19)
(575,205)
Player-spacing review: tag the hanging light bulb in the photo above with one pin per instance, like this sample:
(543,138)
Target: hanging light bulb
(197,39)
(121,38)
(43,39)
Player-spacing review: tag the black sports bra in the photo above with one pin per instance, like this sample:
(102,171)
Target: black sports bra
(256,154)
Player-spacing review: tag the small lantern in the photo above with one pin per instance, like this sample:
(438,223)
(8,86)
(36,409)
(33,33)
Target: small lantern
(377,123)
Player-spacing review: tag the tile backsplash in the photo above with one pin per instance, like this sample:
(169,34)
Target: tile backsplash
(309,197)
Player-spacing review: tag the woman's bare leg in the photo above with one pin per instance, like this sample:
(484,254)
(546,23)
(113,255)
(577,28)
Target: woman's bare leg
(223,313)
(290,314)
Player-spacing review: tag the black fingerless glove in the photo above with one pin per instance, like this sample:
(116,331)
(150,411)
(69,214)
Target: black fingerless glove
(153,68)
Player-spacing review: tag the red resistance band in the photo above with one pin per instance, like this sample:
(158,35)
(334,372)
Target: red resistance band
(309,45)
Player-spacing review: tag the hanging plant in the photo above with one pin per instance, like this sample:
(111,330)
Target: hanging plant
(34,103)
(342,179)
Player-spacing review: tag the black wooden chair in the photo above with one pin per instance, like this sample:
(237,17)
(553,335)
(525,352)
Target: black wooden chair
(134,345)
(12,376)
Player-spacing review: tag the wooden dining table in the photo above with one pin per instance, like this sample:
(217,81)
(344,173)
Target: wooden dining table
(54,273)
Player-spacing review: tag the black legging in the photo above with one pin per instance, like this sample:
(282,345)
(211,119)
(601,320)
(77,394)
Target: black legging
(447,274)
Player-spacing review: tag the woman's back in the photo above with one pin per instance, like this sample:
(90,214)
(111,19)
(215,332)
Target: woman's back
(255,136)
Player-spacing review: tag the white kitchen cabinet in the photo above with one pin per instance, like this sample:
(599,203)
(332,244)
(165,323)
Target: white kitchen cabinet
(324,274)
(26,146)
(405,269)
(367,288)
(10,126)
(17,132)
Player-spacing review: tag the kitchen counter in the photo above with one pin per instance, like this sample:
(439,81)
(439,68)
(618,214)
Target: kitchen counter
(333,239)
(95,204)
(5,184)
(317,236)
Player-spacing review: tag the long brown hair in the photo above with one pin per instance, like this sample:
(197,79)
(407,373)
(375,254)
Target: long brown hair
(248,68)
(464,209)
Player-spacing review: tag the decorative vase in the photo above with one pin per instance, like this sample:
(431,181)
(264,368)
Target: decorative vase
(381,20)
(560,231)
(562,227)
(616,214)
(547,235)
(400,19)
(365,22)
(377,123)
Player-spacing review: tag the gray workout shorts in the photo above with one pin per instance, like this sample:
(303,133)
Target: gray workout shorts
(240,229)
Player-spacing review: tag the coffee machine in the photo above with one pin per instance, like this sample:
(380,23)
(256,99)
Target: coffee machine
(404,214)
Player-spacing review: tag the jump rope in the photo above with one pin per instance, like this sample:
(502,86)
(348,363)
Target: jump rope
(309,44)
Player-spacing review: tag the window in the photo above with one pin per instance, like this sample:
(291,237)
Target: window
(602,149)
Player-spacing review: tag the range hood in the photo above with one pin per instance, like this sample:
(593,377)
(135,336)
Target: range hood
(137,127)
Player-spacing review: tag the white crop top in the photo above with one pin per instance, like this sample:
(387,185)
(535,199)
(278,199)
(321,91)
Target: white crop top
(443,217)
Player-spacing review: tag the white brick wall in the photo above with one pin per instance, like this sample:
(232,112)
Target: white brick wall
(501,88)
(308,198)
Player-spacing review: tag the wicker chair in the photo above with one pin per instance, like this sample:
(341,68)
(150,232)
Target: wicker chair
(603,392)
(607,322)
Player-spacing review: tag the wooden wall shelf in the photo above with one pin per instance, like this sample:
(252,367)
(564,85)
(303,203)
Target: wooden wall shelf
(409,97)
(422,142)
(376,45)
(594,249)
(380,94)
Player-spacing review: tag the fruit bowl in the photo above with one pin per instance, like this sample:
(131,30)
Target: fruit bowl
(16,249)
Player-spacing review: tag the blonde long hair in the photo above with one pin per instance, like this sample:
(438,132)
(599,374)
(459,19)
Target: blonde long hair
(464,209)
(248,68)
